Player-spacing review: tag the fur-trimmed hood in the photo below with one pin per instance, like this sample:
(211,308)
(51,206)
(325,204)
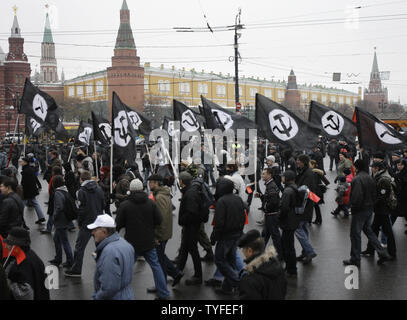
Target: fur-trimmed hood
(258,264)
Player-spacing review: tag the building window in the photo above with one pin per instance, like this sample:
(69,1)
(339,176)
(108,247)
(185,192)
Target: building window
(341,100)
(323,99)
(167,86)
(240,92)
(99,87)
(304,96)
(184,87)
(253,92)
(355,101)
(71,92)
(79,90)
(163,86)
(347,100)
(220,90)
(267,93)
(314,97)
(145,84)
(333,99)
(280,94)
(202,88)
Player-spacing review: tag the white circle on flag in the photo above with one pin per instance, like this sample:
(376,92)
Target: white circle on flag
(40,107)
(134,119)
(85,135)
(189,122)
(106,130)
(121,132)
(332,123)
(385,135)
(224,118)
(283,126)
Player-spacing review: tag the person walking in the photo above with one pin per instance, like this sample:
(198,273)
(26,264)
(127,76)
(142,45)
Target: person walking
(114,261)
(12,207)
(362,199)
(91,201)
(139,215)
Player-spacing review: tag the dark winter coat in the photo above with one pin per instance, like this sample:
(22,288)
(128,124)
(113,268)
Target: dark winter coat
(270,200)
(362,192)
(30,271)
(139,215)
(306,177)
(401,192)
(333,149)
(288,219)
(229,216)
(189,206)
(91,202)
(383,190)
(29,182)
(264,278)
(60,220)
(162,196)
(11,213)
(320,181)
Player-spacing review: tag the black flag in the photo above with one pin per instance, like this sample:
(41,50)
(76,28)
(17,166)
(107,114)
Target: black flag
(375,134)
(85,134)
(141,123)
(333,124)
(219,118)
(102,130)
(36,103)
(187,117)
(33,127)
(53,121)
(280,125)
(123,132)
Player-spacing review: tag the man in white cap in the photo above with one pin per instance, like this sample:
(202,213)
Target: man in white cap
(114,261)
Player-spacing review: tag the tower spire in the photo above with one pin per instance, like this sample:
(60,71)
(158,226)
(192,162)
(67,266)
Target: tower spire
(125,38)
(47,32)
(15,29)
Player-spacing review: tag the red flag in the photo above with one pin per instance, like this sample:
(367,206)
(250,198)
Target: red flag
(249,190)
(19,254)
(247,219)
(312,196)
(5,250)
(151,196)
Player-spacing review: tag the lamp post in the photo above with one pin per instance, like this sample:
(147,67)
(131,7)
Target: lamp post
(9,116)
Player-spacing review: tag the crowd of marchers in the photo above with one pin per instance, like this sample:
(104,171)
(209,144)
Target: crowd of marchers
(370,189)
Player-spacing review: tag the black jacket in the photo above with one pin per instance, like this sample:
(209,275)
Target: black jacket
(31,271)
(139,215)
(318,157)
(264,278)
(91,201)
(229,216)
(270,200)
(306,177)
(362,192)
(29,182)
(401,192)
(383,189)
(11,213)
(288,219)
(189,206)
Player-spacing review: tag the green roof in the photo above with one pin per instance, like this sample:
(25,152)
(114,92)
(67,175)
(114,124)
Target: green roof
(124,5)
(125,37)
(375,67)
(47,32)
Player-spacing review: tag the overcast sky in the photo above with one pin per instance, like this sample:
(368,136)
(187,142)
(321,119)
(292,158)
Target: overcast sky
(314,37)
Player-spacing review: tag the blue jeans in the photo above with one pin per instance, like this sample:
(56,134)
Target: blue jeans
(167,265)
(37,207)
(82,240)
(147,172)
(302,235)
(362,221)
(239,265)
(61,241)
(225,259)
(158,274)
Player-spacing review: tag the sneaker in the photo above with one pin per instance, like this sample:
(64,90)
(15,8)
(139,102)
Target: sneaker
(308,259)
(193,281)
(72,274)
(213,282)
(367,253)
(54,262)
(40,221)
(350,262)
(177,278)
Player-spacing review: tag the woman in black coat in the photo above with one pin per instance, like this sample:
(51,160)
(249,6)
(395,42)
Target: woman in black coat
(321,183)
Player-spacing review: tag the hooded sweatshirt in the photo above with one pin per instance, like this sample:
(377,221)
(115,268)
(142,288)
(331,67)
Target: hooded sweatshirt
(90,202)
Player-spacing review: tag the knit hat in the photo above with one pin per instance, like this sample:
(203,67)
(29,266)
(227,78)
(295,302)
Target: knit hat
(271,158)
(136,185)
(18,237)
(185,177)
(248,238)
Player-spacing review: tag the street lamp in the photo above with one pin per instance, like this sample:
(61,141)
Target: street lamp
(9,116)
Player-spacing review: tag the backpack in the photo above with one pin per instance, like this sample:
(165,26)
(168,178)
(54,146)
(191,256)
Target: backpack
(206,196)
(301,198)
(391,200)
(70,209)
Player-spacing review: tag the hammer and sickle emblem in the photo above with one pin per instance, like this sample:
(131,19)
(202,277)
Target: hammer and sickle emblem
(333,125)
(122,137)
(284,130)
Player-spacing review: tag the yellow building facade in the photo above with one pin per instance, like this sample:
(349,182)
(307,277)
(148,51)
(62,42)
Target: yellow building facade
(162,85)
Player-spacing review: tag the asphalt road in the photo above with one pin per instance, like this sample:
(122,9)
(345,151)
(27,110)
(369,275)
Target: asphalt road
(323,279)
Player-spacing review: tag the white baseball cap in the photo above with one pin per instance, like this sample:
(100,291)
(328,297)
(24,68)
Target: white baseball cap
(102,221)
(271,158)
